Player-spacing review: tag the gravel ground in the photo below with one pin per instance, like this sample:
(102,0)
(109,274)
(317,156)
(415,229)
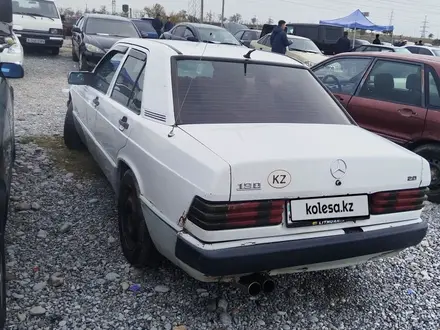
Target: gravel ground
(66,269)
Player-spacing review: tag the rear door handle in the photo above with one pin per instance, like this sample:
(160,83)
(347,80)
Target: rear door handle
(407,112)
(123,123)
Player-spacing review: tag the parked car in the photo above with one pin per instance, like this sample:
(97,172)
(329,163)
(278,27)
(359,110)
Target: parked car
(424,50)
(7,71)
(394,95)
(301,49)
(145,27)
(200,33)
(206,128)
(11,49)
(380,48)
(94,34)
(247,35)
(359,42)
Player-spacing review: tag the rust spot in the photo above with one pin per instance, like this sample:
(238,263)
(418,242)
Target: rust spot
(182,219)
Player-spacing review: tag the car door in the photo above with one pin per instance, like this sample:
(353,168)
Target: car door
(342,75)
(76,36)
(123,105)
(432,125)
(391,101)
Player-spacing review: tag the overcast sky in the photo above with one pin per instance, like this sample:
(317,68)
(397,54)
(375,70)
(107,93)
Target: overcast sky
(407,18)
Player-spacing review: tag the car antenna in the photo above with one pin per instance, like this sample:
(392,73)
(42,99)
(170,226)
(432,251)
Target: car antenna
(248,54)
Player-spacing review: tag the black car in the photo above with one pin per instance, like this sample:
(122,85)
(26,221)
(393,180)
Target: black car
(245,36)
(380,48)
(94,34)
(200,33)
(145,27)
(7,156)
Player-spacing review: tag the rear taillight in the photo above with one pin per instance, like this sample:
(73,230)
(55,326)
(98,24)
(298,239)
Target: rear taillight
(227,215)
(397,201)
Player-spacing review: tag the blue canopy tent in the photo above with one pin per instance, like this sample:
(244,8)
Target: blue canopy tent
(357,21)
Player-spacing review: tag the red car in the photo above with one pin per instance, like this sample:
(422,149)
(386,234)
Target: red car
(394,95)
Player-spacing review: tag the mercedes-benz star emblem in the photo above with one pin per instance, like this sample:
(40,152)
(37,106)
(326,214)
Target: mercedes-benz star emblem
(338,169)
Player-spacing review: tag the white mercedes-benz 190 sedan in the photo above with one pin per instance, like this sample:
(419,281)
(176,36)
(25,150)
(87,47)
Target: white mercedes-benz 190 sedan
(238,164)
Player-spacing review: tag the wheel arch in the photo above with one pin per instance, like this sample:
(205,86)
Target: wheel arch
(123,166)
(418,143)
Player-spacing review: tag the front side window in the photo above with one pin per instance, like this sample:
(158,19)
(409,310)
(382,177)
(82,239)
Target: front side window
(112,27)
(105,71)
(414,50)
(211,91)
(343,75)
(396,82)
(38,8)
(127,80)
(188,33)
(434,90)
(179,31)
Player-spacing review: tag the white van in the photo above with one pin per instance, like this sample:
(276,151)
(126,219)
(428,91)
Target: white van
(37,23)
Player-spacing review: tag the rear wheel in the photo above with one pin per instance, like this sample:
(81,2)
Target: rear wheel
(72,140)
(137,245)
(431,153)
(55,51)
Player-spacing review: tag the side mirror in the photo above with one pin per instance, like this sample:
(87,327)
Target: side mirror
(63,18)
(144,34)
(76,29)
(192,39)
(80,78)
(11,70)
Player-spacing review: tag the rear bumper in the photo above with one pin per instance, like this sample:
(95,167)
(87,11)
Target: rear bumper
(37,39)
(266,257)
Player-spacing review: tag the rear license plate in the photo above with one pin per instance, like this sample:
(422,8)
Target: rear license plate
(321,211)
(35,41)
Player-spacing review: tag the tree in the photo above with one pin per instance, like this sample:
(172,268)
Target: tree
(102,10)
(236,18)
(270,20)
(180,16)
(430,36)
(68,12)
(436,42)
(154,10)
(254,20)
(209,16)
(220,18)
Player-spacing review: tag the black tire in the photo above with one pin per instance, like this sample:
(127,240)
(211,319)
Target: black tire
(2,282)
(137,245)
(72,140)
(74,56)
(431,152)
(55,51)
(83,66)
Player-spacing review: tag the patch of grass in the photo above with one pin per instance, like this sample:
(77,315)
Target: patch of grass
(80,163)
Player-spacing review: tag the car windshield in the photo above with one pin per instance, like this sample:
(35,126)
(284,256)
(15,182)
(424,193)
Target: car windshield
(401,50)
(305,45)
(217,36)
(38,8)
(214,92)
(111,27)
(144,26)
(436,52)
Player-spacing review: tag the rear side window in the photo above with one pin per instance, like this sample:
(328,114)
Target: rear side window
(424,51)
(208,92)
(128,82)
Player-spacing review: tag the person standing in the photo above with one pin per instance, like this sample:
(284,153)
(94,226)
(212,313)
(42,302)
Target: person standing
(168,25)
(157,25)
(278,38)
(377,40)
(343,44)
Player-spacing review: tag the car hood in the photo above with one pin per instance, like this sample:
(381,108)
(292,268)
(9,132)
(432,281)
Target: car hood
(103,42)
(307,152)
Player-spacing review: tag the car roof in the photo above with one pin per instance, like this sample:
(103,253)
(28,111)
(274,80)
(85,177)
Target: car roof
(201,25)
(421,46)
(104,16)
(426,59)
(201,49)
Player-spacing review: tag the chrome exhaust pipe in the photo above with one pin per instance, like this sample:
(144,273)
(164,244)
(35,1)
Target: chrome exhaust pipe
(266,282)
(250,284)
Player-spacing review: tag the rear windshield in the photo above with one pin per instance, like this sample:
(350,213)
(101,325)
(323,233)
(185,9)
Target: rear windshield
(111,27)
(144,26)
(210,92)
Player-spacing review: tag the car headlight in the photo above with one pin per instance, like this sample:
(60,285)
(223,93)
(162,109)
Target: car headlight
(14,46)
(56,31)
(308,63)
(94,49)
